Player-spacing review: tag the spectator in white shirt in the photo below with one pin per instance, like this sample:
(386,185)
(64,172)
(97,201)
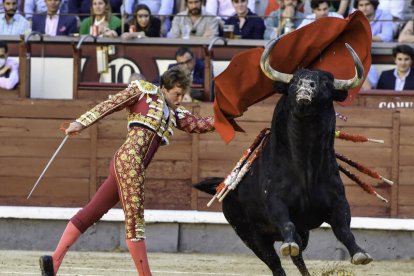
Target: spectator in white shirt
(320,8)
(224,8)
(9,69)
(194,22)
(402,77)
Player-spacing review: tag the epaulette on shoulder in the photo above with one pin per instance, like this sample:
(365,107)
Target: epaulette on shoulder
(181,112)
(145,87)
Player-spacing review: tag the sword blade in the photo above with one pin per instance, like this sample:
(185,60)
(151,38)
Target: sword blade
(48,164)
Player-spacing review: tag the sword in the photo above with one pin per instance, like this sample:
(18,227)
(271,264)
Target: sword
(48,164)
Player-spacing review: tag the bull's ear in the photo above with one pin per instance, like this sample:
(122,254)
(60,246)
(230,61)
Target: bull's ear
(280,87)
(340,95)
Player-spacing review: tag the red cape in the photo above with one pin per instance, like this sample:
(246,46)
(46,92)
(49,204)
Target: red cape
(319,45)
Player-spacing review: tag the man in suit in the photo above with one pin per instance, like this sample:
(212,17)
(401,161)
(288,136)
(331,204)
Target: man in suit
(185,59)
(52,23)
(402,77)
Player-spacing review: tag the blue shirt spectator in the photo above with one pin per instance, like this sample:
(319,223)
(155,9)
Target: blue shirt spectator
(12,23)
(381,22)
(382,26)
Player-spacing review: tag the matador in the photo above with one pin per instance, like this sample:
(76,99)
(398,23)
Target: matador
(153,112)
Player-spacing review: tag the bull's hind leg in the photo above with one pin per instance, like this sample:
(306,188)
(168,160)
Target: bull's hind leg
(280,219)
(340,222)
(298,260)
(262,246)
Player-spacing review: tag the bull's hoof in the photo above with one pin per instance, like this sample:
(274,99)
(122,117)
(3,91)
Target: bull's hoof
(289,249)
(361,258)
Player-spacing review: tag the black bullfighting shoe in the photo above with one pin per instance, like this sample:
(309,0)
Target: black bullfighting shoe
(46,265)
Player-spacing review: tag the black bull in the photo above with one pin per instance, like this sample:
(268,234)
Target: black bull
(294,185)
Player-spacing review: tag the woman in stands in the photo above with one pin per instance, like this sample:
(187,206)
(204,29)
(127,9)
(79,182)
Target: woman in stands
(143,24)
(247,25)
(101,22)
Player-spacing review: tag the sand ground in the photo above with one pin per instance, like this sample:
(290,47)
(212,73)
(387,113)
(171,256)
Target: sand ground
(163,264)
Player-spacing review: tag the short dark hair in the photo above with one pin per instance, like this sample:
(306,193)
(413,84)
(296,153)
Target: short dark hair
(3,45)
(375,3)
(315,3)
(404,49)
(182,51)
(175,76)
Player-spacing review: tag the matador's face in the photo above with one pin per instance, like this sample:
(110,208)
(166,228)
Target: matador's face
(174,95)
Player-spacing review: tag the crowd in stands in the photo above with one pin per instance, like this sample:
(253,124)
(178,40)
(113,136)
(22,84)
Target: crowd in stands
(251,19)
(247,19)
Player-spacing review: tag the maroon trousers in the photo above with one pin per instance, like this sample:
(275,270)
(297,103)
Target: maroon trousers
(125,182)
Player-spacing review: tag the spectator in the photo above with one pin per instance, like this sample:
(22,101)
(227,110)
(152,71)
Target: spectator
(101,17)
(186,60)
(382,26)
(53,23)
(225,8)
(247,25)
(9,70)
(161,9)
(19,6)
(32,7)
(143,24)
(12,23)
(82,7)
(402,77)
(288,10)
(320,8)
(194,22)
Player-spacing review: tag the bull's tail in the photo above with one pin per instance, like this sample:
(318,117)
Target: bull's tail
(209,185)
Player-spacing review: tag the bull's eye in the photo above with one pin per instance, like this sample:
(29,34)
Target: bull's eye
(312,84)
(300,83)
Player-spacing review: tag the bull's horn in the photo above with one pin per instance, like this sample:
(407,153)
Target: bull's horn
(267,69)
(359,73)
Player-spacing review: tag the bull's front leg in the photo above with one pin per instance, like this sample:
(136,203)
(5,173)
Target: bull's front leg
(340,222)
(279,218)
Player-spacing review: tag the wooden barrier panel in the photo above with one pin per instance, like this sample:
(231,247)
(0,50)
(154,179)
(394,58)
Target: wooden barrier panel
(29,135)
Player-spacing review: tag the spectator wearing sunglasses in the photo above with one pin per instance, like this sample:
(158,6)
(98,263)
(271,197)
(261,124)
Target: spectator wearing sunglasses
(142,24)
(185,59)
(247,25)
(194,22)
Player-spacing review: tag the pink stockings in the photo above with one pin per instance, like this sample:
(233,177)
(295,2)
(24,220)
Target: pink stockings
(138,251)
(70,235)
(104,199)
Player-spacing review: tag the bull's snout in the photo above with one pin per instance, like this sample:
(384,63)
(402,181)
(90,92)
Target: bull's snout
(303,102)
(304,97)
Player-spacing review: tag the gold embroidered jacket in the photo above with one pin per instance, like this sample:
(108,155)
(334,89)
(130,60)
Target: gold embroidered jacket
(145,104)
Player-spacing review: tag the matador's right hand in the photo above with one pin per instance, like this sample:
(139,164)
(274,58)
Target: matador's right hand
(74,128)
